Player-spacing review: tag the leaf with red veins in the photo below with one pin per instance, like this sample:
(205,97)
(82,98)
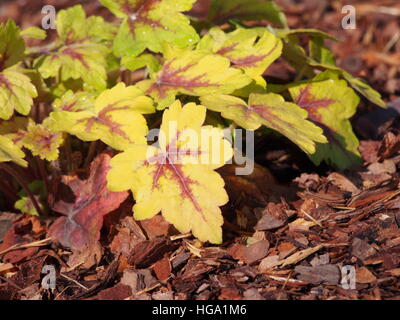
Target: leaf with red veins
(82,49)
(193,73)
(115,117)
(149,23)
(272,111)
(307,101)
(41,141)
(84,61)
(84,203)
(74,102)
(330,104)
(16,93)
(178,177)
(251,50)
(14,129)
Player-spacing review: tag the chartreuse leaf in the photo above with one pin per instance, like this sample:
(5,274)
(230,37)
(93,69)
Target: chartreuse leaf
(321,58)
(25,205)
(330,104)
(14,129)
(364,89)
(11,152)
(193,73)
(12,46)
(115,117)
(16,93)
(81,50)
(71,101)
(223,10)
(42,141)
(145,60)
(319,52)
(16,89)
(178,177)
(33,33)
(272,111)
(149,23)
(245,49)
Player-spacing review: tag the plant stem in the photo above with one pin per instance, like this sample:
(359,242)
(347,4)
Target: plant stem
(43,173)
(91,154)
(23,184)
(68,153)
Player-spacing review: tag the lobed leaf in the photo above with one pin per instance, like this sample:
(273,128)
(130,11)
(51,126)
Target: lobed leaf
(148,24)
(272,111)
(83,204)
(33,33)
(12,46)
(177,177)
(42,141)
(16,93)
(14,129)
(145,60)
(330,104)
(115,117)
(11,152)
(82,52)
(245,48)
(193,73)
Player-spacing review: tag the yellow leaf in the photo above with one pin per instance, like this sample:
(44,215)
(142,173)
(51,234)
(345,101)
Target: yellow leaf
(42,141)
(115,117)
(11,152)
(176,177)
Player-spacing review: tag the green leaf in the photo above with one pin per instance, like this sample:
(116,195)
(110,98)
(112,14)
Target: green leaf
(25,204)
(12,46)
(321,57)
(9,151)
(82,49)
(145,60)
(271,111)
(193,73)
(148,24)
(330,104)
(224,10)
(115,117)
(320,53)
(363,88)
(16,93)
(245,48)
(73,26)
(284,33)
(34,33)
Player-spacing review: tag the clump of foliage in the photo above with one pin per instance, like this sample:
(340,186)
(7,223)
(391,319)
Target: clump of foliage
(58,101)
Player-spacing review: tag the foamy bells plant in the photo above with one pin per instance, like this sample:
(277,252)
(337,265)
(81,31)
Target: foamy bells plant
(67,91)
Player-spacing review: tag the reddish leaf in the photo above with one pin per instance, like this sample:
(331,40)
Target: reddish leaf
(91,200)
